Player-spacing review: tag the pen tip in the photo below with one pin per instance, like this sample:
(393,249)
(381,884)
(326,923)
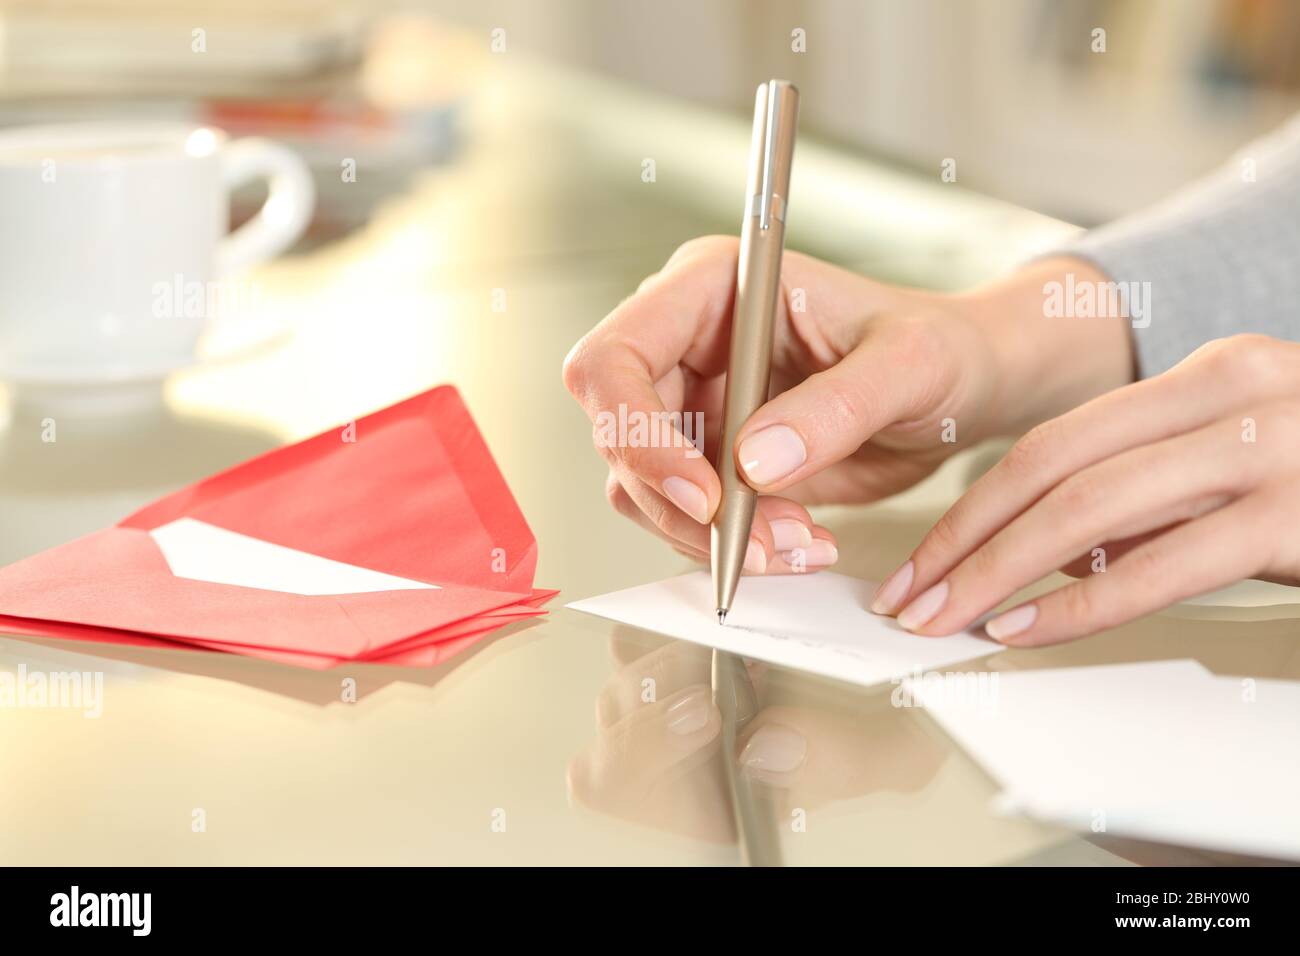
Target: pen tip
(722,616)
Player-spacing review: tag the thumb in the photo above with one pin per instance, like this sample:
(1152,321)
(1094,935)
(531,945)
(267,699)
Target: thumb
(897,373)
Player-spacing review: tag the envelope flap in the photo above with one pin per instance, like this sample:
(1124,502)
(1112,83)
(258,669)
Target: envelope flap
(410,491)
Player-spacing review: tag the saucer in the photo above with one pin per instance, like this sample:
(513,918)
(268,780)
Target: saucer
(224,342)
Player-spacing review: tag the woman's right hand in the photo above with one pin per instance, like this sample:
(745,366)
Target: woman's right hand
(872,388)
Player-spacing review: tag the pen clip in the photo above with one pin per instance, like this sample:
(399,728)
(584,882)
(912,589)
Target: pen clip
(769,158)
(767,203)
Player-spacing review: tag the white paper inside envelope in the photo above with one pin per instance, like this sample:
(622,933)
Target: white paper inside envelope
(204,552)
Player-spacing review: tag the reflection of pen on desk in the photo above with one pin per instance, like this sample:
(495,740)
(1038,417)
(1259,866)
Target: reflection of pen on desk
(751,804)
(758,275)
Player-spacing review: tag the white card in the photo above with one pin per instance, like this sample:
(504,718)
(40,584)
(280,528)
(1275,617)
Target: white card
(815,622)
(204,552)
(1162,751)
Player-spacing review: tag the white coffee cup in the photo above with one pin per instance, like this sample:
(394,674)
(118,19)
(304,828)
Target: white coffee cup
(115,248)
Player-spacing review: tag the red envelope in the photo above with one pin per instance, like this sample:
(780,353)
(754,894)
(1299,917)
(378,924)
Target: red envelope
(407,500)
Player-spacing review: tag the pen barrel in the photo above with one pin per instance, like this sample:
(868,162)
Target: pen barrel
(758,291)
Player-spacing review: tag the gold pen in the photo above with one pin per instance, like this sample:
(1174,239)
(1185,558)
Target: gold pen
(758,277)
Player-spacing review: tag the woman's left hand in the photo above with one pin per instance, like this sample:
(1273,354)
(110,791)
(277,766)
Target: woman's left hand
(1161,490)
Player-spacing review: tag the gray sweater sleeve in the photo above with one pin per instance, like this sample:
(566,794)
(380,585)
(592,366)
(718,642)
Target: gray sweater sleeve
(1221,257)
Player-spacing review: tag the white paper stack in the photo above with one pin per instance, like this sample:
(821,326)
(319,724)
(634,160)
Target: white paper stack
(1162,751)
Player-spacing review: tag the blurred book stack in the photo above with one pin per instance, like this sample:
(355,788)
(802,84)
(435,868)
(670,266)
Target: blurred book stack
(366,101)
(1201,46)
(1128,99)
(1258,45)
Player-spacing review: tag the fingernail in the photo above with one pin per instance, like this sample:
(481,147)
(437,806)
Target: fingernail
(893,589)
(690,714)
(773,750)
(755,558)
(688,496)
(771,454)
(1012,622)
(919,612)
(820,553)
(788,534)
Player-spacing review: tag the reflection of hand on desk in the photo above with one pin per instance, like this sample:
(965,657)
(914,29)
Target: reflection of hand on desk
(652,760)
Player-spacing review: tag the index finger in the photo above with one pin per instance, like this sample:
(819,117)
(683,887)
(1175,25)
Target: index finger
(678,318)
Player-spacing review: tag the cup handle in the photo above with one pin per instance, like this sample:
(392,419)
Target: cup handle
(285,214)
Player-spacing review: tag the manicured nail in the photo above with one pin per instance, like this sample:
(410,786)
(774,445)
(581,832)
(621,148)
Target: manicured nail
(688,496)
(919,612)
(1012,622)
(774,750)
(893,589)
(755,558)
(820,553)
(788,534)
(771,454)
(690,714)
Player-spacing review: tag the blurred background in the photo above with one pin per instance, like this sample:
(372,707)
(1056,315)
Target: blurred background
(1020,92)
